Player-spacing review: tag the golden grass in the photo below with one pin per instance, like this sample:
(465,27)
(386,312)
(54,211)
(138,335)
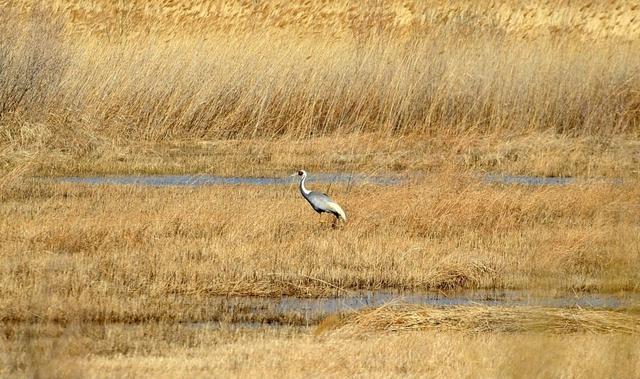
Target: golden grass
(440,91)
(585,19)
(129,253)
(483,319)
(555,104)
(538,154)
(168,351)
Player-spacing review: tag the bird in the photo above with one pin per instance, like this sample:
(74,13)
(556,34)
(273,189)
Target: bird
(320,202)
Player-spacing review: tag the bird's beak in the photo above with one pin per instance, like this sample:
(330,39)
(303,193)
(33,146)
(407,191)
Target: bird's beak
(296,174)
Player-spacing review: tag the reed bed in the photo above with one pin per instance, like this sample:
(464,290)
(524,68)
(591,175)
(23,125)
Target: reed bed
(97,280)
(582,19)
(484,319)
(122,254)
(80,94)
(171,351)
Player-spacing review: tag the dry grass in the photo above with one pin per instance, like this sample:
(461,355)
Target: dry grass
(437,90)
(538,154)
(482,319)
(168,351)
(86,90)
(128,253)
(337,18)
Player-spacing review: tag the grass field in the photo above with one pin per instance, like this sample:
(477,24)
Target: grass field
(439,234)
(473,87)
(166,351)
(108,281)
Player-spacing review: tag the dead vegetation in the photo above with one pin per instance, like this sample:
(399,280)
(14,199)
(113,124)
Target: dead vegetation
(162,350)
(88,249)
(84,89)
(97,280)
(482,319)
(339,18)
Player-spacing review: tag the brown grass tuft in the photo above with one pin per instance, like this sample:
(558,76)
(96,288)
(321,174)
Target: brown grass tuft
(483,319)
(81,82)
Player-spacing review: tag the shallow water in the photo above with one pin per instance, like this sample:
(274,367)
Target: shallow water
(487,298)
(308,311)
(204,180)
(354,179)
(545,180)
(528,180)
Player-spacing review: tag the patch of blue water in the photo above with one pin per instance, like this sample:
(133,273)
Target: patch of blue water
(314,307)
(527,180)
(544,180)
(311,310)
(206,180)
(346,178)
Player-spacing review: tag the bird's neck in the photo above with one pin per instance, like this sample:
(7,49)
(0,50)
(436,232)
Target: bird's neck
(303,189)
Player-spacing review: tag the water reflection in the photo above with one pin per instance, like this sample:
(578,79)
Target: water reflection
(204,180)
(254,312)
(346,178)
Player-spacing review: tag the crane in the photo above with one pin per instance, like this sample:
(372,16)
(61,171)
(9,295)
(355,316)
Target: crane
(320,202)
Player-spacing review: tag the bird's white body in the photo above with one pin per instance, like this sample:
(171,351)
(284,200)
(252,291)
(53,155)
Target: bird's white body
(320,202)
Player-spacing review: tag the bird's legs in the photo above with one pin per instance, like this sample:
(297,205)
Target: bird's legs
(336,221)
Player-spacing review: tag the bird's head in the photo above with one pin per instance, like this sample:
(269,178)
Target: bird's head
(300,173)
